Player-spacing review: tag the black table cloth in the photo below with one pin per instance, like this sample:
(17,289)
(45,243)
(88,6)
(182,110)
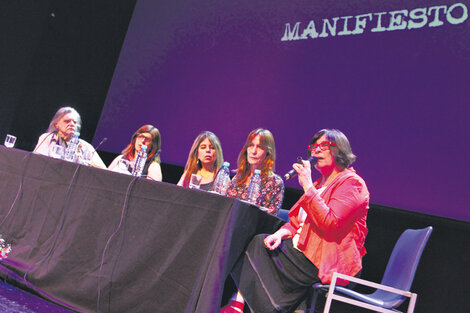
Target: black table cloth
(99,241)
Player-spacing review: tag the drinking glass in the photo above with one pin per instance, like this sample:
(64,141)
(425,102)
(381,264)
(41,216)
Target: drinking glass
(57,152)
(195,181)
(10,141)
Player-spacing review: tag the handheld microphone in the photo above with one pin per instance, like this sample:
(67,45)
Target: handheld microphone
(292,173)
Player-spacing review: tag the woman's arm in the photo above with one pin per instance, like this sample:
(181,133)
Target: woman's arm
(347,203)
(181,181)
(274,240)
(155,172)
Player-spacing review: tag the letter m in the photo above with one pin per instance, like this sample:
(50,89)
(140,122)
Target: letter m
(291,35)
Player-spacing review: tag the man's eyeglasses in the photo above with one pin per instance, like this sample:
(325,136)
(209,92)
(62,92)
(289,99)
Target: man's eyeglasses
(322,145)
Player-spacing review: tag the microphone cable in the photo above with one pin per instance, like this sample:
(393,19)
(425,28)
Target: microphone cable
(121,221)
(94,149)
(58,230)
(42,141)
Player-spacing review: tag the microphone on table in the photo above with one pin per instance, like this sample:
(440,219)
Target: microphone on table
(94,149)
(292,173)
(99,145)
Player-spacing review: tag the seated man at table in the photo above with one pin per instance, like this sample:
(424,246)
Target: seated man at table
(64,124)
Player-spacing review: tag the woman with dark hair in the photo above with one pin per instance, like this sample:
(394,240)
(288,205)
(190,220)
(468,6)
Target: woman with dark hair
(63,125)
(259,152)
(325,234)
(149,136)
(205,158)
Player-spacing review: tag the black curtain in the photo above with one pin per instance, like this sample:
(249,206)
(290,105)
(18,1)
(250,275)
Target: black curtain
(57,53)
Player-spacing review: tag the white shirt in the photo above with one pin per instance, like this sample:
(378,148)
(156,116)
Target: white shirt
(46,140)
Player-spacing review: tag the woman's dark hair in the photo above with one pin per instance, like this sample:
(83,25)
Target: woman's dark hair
(342,152)
(153,150)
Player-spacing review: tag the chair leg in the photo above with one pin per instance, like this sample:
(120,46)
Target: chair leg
(411,305)
(329,297)
(327,305)
(314,302)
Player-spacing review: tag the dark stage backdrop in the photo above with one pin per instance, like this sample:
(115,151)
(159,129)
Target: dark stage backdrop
(55,53)
(392,75)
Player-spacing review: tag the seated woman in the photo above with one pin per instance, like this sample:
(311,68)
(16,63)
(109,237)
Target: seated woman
(205,158)
(64,124)
(259,152)
(326,233)
(146,135)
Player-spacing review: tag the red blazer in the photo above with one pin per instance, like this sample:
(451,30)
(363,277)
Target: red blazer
(335,229)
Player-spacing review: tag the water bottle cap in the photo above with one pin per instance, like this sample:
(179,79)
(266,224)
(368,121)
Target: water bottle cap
(144,147)
(226,164)
(257,172)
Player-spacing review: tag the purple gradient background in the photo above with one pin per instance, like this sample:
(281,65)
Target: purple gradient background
(401,97)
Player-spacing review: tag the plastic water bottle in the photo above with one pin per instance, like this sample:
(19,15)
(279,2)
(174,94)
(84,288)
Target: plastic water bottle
(72,147)
(140,161)
(222,179)
(254,188)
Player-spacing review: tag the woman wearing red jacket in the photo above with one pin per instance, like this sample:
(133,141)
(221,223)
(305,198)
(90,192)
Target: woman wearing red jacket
(326,233)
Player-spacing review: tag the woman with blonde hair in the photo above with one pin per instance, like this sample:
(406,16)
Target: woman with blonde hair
(149,136)
(259,152)
(204,159)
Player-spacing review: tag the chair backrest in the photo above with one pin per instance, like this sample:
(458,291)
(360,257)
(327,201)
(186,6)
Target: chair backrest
(402,264)
(284,214)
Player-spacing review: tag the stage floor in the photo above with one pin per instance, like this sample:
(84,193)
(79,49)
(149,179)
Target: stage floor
(14,300)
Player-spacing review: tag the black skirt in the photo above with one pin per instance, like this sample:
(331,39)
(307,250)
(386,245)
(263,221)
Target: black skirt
(274,281)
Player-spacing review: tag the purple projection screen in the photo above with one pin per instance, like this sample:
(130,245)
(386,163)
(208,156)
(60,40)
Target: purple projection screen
(394,76)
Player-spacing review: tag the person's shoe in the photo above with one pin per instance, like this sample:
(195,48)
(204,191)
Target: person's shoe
(233,306)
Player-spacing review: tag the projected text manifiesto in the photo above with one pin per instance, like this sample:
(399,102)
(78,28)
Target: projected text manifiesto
(378,22)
